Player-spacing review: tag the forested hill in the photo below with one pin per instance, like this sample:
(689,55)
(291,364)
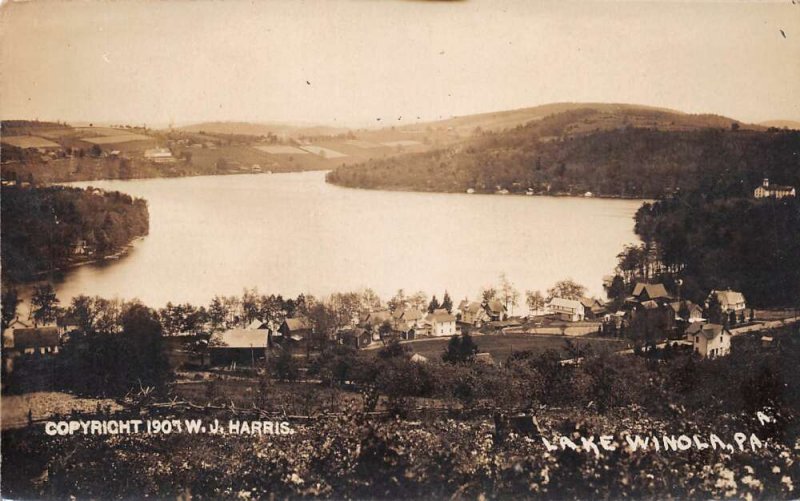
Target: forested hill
(641,153)
(46,229)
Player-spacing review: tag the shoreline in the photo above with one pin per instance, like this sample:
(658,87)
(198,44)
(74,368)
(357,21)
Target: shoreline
(481,193)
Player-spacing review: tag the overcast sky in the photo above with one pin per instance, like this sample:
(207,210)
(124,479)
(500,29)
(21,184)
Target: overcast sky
(350,62)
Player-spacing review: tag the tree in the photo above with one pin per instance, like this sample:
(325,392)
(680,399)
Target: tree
(617,291)
(534,300)
(82,309)
(488,294)
(509,294)
(460,349)
(399,301)
(433,305)
(566,289)
(10,301)
(218,312)
(419,300)
(44,304)
(714,310)
(447,303)
(394,349)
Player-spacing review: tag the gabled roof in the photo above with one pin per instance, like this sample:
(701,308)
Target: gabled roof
(409,314)
(244,338)
(376,318)
(496,306)
(728,297)
(440,317)
(709,331)
(256,324)
(297,324)
(654,291)
(35,337)
(566,303)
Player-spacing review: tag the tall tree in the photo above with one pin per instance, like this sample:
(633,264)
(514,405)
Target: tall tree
(447,302)
(10,302)
(566,289)
(433,305)
(534,300)
(44,304)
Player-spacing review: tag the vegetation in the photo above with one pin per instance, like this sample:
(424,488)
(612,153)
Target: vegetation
(625,153)
(745,244)
(46,229)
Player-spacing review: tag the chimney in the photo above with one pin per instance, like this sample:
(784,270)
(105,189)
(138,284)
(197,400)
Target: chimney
(766,182)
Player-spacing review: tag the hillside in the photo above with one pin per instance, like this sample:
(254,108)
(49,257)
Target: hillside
(264,129)
(610,150)
(782,124)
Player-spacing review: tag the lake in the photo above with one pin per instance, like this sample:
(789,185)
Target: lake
(293,233)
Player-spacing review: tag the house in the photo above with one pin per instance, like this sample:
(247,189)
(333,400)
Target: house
(495,310)
(567,309)
(295,329)
(408,321)
(709,340)
(645,292)
(31,340)
(730,302)
(159,155)
(472,313)
(257,324)
(767,190)
(241,346)
(442,323)
(373,321)
(687,311)
(593,309)
(357,337)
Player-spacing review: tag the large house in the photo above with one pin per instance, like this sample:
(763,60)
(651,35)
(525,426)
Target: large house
(593,308)
(241,346)
(442,323)
(570,310)
(709,340)
(495,310)
(409,322)
(295,329)
(472,313)
(729,301)
(767,190)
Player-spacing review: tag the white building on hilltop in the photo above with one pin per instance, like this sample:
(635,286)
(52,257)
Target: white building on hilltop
(773,191)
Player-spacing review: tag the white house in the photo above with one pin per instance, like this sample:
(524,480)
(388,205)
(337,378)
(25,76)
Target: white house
(730,302)
(709,340)
(773,191)
(568,309)
(442,324)
(159,155)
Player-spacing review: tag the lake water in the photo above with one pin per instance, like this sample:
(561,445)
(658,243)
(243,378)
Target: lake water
(293,233)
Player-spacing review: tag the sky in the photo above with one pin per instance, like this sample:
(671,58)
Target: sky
(351,62)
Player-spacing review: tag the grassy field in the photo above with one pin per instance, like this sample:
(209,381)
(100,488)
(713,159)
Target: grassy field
(501,346)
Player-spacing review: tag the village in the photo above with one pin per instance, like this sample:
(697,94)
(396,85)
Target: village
(649,318)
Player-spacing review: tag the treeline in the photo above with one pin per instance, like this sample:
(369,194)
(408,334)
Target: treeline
(46,229)
(567,154)
(745,244)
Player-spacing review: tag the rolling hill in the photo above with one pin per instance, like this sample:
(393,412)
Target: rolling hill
(608,150)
